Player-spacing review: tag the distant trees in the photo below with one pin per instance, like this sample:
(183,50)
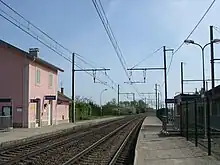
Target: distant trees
(83,108)
(86,108)
(110,108)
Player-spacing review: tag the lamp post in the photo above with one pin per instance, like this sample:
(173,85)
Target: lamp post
(203,55)
(203,73)
(101,99)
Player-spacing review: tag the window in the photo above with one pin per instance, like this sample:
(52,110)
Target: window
(50,80)
(6,111)
(38,76)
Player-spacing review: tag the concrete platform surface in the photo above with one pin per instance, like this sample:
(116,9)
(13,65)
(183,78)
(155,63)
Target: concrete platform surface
(152,149)
(24,134)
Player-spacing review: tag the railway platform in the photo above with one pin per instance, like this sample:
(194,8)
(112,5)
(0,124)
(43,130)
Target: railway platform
(153,149)
(25,134)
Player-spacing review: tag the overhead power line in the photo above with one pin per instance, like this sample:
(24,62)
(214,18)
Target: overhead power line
(217,29)
(206,12)
(43,32)
(47,45)
(101,13)
(81,58)
(148,56)
(30,23)
(180,46)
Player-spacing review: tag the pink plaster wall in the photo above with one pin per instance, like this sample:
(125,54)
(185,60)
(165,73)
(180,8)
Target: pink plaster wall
(39,91)
(62,109)
(11,70)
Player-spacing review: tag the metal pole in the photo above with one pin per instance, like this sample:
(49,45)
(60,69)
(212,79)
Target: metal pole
(118,98)
(212,59)
(204,90)
(158,104)
(187,121)
(133,96)
(73,89)
(203,69)
(165,80)
(101,104)
(212,67)
(196,129)
(181,119)
(156,95)
(181,77)
(208,125)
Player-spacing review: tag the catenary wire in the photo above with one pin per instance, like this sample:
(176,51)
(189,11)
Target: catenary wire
(111,36)
(180,46)
(43,32)
(48,46)
(148,56)
(54,50)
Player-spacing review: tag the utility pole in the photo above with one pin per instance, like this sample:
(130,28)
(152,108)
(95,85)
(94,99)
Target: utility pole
(181,77)
(73,89)
(158,100)
(212,59)
(133,96)
(118,98)
(156,95)
(165,78)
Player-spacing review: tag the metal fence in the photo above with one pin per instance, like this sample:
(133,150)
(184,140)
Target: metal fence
(194,123)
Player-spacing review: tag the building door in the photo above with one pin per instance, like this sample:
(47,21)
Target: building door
(38,113)
(49,113)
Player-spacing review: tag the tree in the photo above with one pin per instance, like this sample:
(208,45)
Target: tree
(96,109)
(85,108)
(141,106)
(110,107)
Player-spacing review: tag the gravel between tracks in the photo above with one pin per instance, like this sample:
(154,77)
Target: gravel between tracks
(102,154)
(64,151)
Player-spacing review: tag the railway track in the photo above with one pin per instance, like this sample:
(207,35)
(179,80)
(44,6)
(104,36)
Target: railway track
(48,138)
(126,152)
(114,148)
(50,152)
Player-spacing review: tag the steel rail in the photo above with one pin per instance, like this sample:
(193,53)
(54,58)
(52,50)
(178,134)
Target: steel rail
(50,146)
(81,154)
(119,151)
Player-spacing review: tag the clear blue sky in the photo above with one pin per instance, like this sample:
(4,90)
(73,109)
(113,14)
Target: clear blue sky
(140,27)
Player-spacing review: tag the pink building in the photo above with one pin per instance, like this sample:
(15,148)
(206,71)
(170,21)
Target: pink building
(31,85)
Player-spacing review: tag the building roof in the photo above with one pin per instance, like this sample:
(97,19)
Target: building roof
(186,97)
(216,92)
(63,98)
(31,57)
(192,96)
